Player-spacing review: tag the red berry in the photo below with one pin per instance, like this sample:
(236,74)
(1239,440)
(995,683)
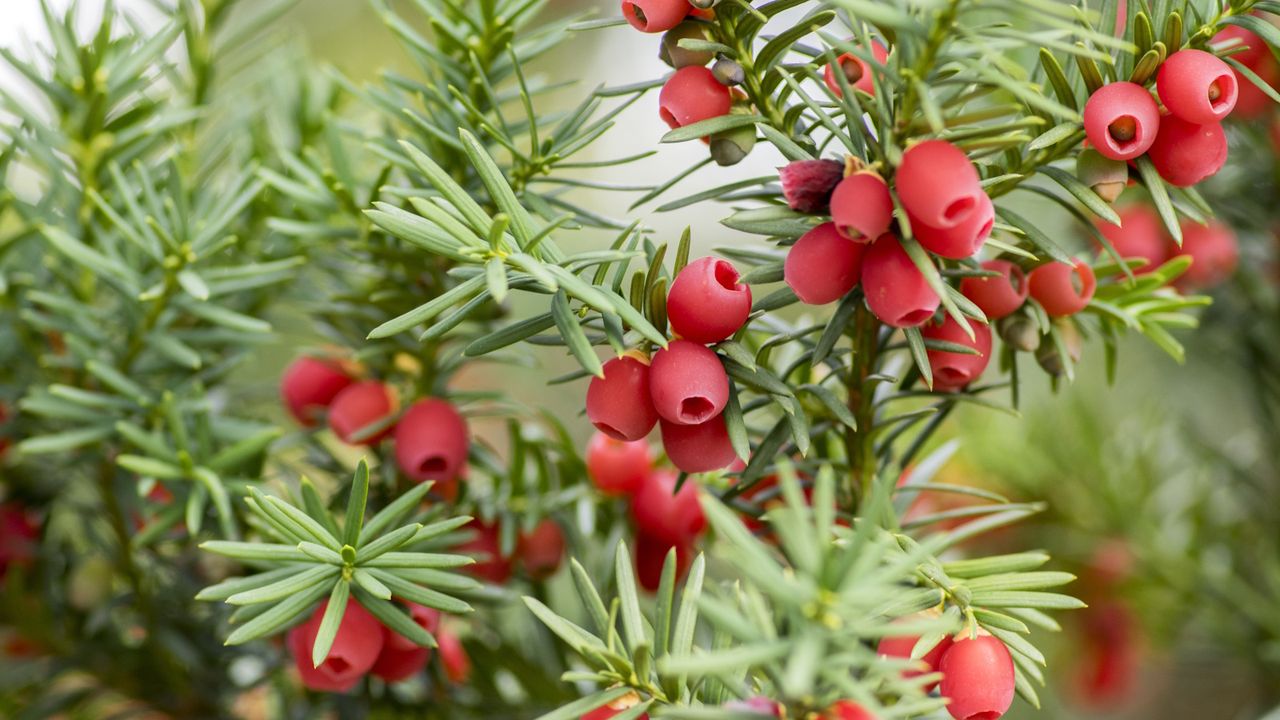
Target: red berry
(807,184)
(1121,120)
(651,556)
(698,448)
(938,185)
(402,658)
(655,16)
(963,240)
(848,710)
(1111,657)
(1062,289)
(953,370)
(619,404)
(1140,234)
(541,549)
(309,385)
(18,534)
(1214,253)
(901,647)
(706,303)
(823,265)
(1251,101)
(664,514)
(997,297)
(1197,86)
(857,72)
(977,678)
(1185,153)
(358,408)
(617,467)
(692,94)
(896,291)
(688,383)
(861,207)
(453,656)
(485,546)
(431,441)
(355,649)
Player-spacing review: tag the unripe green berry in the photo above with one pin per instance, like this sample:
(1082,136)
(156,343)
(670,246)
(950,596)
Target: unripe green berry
(729,147)
(1020,332)
(1107,177)
(728,72)
(670,52)
(1049,357)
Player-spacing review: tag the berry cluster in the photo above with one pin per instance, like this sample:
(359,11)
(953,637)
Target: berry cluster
(694,92)
(1184,140)
(363,646)
(539,552)
(431,437)
(665,518)
(1213,248)
(684,388)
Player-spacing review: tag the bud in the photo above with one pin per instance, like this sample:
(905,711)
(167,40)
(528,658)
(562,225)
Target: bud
(670,52)
(1107,177)
(1020,332)
(729,147)
(728,72)
(1049,357)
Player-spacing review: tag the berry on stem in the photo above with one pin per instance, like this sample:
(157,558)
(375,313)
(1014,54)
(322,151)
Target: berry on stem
(954,370)
(861,207)
(998,296)
(651,556)
(977,678)
(453,656)
(1121,120)
(402,658)
(358,408)
(670,52)
(706,303)
(901,647)
(655,16)
(823,265)
(1197,86)
(664,514)
(309,385)
(1062,289)
(1185,153)
(619,404)
(1106,177)
(808,184)
(541,549)
(896,291)
(431,441)
(1214,254)
(937,184)
(1140,234)
(617,467)
(698,448)
(692,94)
(857,72)
(355,649)
(963,240)
(486,547)
(688,383)
(1251,101)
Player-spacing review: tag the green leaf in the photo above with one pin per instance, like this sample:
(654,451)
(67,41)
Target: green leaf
(714,125)
(301,579)
(573,635)
(394,512)
(278,617)
(1039,600)
(632,620)
(574,336)
(1160,198)
(394,618)
(355,506)
(329,624)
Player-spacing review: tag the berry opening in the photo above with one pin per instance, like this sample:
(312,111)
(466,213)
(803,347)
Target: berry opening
(1123,129)
(639,15)
(1222,93)
(609,430)
(986,228)
(696,409)
(914,318)
(337,665)
(727,276)
(950,376)
(433,464)
(993,715)
(958,209)
(1077,282)
(852,68)
(668,118)
(1017,279)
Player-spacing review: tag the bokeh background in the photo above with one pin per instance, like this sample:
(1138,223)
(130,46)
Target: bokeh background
(1161,484)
